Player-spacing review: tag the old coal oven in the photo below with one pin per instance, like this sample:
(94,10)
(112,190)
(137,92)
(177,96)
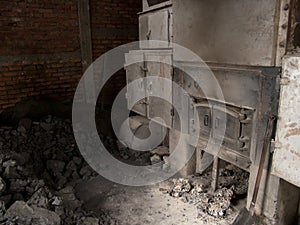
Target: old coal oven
(243,43)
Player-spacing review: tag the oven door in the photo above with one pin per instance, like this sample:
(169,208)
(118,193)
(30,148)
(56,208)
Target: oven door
(136,71)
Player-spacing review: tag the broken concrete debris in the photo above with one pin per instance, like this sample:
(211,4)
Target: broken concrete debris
(155,159)
(161,151)
(158,155)
(180,187)
(39,167)
(233,182)
(21,213)
(214,204)
(218,203)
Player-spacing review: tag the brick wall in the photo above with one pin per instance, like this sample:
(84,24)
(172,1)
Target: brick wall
(113,23)
(40,46)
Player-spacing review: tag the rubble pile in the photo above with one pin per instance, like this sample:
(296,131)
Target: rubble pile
(233,182)
(214,204)
(217,204)
(232,175)
(180,187)
(131,156)
(159,154)
(39,168)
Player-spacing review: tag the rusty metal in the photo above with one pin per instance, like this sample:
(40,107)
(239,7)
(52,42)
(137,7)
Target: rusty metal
(156,25)
(152,63)
(246,83)
(263,157)
(135,71)
(251,97)
(282,39)
(243,45)
(245,216)
(215,174)
(294,26)
(234,32)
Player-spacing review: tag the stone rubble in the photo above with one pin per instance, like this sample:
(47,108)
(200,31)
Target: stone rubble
(155,159)
(233,182)
(158,155)
(232,175)
(214,204)
(39,167)
(22,213)
(180,187)
(130,156)
(161,151)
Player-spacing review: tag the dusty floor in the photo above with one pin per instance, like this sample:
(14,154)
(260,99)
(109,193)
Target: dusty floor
(143,205)
(40,166)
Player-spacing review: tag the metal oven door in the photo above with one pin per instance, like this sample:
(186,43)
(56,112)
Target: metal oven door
(204,113)
(236,126)
(159,64)
(136,71)
(156,25)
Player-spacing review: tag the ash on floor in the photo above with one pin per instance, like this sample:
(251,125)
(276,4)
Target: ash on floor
(39,167)
(233,184)
(176,201)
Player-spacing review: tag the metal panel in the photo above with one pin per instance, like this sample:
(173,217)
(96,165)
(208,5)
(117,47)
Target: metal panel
(159,63)
(231,126)
(156,25)
(233,31)
(246,83)
(151,63)
(286,159)
(237,126)
(204,112)
(135,71)
(227,155)
(282,39)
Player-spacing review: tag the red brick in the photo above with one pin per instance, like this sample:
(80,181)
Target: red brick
(43,27)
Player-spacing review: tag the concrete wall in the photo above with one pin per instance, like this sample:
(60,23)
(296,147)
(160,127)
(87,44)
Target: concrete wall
(40,52)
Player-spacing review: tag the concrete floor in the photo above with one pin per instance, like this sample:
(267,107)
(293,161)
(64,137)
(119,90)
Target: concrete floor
(142,205)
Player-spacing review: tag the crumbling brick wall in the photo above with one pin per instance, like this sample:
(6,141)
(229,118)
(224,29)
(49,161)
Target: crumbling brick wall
(40,46)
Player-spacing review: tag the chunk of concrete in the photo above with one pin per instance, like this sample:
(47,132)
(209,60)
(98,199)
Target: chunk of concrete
(161,151)
(69,199)
(155,159)
(24,214)
(39,199)
(44,216)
